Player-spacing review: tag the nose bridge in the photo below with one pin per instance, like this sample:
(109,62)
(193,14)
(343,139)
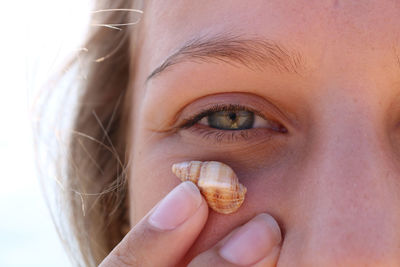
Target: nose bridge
(347,140)
(346,146)
(347,134)
(351,215)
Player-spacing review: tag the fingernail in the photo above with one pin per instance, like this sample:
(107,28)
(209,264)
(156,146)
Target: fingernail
(181,203)
(253,241)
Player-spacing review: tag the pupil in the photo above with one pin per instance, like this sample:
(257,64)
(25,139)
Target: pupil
(232,116)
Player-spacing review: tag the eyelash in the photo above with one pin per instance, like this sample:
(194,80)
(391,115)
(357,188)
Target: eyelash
(227,135)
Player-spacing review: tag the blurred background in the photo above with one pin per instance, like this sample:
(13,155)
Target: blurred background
(36,38)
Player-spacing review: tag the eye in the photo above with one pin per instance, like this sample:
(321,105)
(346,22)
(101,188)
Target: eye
(233,120)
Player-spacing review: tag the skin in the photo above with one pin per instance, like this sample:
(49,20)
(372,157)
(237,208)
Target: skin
(331,182)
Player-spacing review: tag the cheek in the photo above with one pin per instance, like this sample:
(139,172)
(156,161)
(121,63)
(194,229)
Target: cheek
(148,184)
(151,179)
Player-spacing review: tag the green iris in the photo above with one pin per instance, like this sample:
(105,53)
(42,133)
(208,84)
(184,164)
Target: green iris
(231,120)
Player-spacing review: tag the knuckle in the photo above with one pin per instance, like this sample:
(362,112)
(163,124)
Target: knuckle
(132,250)
(121,259)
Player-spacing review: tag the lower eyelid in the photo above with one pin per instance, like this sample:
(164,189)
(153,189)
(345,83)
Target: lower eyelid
(228,136)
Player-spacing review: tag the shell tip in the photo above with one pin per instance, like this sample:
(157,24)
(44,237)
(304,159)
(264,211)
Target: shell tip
(174,167)
(177,167)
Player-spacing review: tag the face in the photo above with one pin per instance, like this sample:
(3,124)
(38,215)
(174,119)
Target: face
(300,98)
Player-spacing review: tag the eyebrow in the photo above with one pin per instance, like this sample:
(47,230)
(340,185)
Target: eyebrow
(254,53)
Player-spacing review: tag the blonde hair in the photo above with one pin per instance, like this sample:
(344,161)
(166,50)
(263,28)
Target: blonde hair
(94,172)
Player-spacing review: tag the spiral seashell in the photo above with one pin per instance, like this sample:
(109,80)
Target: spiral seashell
(216,181)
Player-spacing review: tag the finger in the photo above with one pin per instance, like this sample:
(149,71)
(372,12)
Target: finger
(257,243)
(163,236)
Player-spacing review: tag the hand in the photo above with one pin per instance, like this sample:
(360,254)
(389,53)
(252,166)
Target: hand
(166,233)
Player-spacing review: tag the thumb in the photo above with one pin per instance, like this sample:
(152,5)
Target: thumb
(257,243)
(164,235)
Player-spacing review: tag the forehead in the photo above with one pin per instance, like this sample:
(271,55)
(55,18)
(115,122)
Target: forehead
(331,29)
